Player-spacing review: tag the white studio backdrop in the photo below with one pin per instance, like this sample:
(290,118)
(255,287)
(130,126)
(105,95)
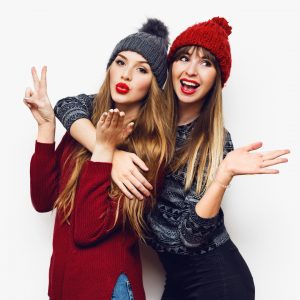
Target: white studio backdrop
(261,103)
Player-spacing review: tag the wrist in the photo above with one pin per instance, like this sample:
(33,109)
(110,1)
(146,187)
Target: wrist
(46,133)
(47,125)
(224,175)
(103,153)
(104,147)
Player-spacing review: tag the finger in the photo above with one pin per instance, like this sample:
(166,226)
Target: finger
(27,104)
(124,190)
(142,179)
(30,103)
(268,171)
(139,186)
(139,162)
(132,189)
(28,93)
(253,146)
(275,154)
(103,118)
(128,129)
(109,117)
(115,118)
(121,119)
(43,81)
(276,161)
(36,80)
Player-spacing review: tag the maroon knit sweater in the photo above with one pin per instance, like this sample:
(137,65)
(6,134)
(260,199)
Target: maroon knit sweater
(87,255)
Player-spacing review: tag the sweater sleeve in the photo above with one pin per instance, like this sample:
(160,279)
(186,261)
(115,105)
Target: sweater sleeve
(195,228)
(70,109)
(94,210)
(45,174)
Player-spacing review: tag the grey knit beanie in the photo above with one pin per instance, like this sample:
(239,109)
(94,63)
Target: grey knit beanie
(151,41)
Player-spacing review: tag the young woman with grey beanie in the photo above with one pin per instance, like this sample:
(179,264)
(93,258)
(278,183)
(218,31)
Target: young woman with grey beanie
(95,240)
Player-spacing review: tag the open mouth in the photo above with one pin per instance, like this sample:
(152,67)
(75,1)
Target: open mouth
(188,87)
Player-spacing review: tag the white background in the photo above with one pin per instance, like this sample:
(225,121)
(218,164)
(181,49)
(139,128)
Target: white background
(261,102)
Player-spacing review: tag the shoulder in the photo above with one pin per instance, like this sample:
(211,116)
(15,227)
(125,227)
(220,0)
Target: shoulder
(228,144)
(81,98)
(66,144)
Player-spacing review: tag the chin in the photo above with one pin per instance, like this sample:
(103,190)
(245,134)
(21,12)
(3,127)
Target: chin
(118,98)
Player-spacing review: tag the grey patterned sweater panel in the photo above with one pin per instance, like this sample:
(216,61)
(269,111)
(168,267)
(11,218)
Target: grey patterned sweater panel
(70,109)
(174,225)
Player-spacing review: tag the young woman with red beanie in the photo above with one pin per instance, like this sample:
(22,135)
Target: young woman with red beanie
(186,227)
(95,242)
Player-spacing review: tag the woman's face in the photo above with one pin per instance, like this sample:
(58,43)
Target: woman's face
(193,75)
(130,78)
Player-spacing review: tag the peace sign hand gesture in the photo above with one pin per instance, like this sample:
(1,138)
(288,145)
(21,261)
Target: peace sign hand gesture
(37,100)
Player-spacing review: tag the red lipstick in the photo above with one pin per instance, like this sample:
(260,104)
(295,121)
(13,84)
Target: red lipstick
(122,88)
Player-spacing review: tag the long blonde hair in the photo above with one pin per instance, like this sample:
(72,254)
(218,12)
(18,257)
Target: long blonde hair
(150,140)
(204,151)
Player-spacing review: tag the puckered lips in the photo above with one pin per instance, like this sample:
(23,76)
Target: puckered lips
(188,86)
(122,88)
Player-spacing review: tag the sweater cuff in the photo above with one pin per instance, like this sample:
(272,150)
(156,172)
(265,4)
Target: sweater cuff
(73,117)
(103,168)
(204,221)
(44,148)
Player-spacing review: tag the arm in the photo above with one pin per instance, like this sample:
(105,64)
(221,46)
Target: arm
(43,167)
(199,222)
(238,162)
(74,113)
(94,211)
(45,174)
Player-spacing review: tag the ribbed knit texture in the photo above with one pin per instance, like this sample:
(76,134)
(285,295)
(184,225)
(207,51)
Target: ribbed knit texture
(211,35)
(87,255)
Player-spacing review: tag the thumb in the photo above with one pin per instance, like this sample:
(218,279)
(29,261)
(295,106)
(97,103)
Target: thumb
(253,146)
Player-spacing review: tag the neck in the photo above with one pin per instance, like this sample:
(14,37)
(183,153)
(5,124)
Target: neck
(188,112)
(131,111)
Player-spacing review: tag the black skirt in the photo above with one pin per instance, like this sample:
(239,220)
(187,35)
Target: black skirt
(221,274)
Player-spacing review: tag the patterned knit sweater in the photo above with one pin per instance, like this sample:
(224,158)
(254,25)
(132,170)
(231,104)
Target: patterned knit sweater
(174,225)
(88,255)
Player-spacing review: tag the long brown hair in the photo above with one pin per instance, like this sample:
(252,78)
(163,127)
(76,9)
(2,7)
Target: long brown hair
(150,140)
(204,151)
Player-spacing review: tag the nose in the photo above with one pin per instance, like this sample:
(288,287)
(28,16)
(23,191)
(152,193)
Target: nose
(126,74)
(191,68)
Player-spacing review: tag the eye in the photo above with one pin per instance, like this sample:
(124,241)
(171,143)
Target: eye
(206,63)
(120,62)
(184,58)
(142,70)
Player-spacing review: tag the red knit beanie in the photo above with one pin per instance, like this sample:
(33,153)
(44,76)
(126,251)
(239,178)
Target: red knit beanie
(211,35)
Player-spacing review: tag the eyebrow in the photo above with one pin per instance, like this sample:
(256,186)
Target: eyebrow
(140,62)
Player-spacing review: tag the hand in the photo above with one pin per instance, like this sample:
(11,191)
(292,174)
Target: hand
(127,176)
(37,100)
(242,162)
(111,130)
